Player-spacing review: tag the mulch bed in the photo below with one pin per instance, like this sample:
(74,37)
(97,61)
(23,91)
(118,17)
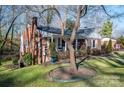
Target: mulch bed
(65,74)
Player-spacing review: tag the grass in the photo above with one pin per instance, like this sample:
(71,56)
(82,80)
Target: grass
(110,72)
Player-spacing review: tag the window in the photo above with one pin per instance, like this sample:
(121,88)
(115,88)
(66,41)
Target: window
(54,40)
(50,40)
(58,42)
(94,43)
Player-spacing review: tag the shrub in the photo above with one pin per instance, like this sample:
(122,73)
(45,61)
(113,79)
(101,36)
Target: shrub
(83,52)
(15,61)
(96,51)
(88,50)
(52,48)
(109,47)
(120,40)
(103,48)
(63,55)
(36,34)
(27,58)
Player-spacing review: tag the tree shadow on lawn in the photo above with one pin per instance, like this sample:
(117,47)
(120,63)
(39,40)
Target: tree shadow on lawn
(8,80)
(108,73)
(113,66)
(119,55)
(120,75)
(107,62)
(117,61)
(103,71)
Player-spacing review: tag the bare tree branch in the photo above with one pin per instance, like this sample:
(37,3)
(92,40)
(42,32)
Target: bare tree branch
(77,24)
(9,31)
(84,11)
(53,8)
(111,16)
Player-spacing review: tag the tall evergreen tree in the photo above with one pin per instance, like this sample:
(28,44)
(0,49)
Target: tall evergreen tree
(109,47)
(107,32)
(107,29)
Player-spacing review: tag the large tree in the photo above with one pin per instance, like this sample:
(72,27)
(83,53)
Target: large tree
(79,11)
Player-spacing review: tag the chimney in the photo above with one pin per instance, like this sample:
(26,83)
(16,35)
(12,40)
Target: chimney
(34,20)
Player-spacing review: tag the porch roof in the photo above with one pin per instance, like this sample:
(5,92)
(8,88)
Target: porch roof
(81,33)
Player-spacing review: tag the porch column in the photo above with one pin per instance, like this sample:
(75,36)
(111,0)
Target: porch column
(91,42)
(86,43)
(51,37)
(57,43)
(65,46)
(76,44)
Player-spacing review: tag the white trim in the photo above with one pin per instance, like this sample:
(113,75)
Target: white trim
(56,40)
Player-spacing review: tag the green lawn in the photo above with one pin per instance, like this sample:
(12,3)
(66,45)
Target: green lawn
(110,72)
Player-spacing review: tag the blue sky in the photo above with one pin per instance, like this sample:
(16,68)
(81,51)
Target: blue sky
(100,17)
(118,23)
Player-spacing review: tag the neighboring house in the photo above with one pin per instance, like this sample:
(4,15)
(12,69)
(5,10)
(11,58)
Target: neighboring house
(106,40)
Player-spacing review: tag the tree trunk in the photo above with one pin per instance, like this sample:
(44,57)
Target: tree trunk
(72,57)
(12,36)
(72,38)
(33,44)
(34,27)
(13,13)
(39,49)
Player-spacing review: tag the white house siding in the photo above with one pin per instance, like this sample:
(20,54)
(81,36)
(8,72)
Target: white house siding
(89,42)
(98,44)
